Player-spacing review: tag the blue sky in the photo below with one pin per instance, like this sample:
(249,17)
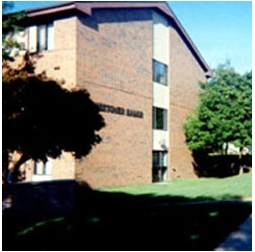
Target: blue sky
(221,30)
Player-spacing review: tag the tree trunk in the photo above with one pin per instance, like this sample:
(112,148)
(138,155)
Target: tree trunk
(15,173)
(225,149)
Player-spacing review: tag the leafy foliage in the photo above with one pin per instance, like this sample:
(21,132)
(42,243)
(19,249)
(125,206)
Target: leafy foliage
(11,23)
(41,119)
(224,113)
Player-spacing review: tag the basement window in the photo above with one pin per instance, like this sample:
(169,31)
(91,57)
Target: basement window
(159,170)
(41,168)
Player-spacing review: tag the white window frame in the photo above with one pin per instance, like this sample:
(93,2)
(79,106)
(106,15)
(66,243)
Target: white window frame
(43,168)
(41,37)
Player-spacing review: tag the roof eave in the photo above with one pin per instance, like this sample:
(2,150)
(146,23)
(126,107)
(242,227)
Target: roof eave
(86,7)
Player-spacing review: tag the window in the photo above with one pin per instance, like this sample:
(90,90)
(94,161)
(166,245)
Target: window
(159,72)
(50,36)
(159,166)
(159,118)
(45,37)
(41,168)
(159,158)
(41,38)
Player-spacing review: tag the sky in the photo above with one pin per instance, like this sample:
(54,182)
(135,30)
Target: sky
(221,30)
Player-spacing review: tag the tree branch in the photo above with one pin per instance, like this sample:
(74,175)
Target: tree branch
(15,173)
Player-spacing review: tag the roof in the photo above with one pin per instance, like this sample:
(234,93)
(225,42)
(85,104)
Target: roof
(88,6)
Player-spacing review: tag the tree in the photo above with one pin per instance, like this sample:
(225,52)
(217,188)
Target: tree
(41,119)
(11,23)
(224,113)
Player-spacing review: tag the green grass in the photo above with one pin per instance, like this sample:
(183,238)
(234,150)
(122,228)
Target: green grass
(142,217)
(215,188)
(40,224)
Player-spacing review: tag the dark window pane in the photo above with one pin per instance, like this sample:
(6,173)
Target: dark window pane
(159,118)
(159,158)
(155,159)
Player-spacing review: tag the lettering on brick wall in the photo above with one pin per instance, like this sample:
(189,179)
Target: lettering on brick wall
(119,110)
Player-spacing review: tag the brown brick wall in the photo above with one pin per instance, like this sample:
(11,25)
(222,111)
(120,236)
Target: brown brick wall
(110,54)
(115,66)
(63,167)
(185,74)
(60,63)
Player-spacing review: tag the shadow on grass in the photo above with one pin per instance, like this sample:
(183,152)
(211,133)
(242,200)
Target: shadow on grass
(117,221)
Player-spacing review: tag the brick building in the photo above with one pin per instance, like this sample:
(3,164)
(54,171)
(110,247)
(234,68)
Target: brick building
(141,67)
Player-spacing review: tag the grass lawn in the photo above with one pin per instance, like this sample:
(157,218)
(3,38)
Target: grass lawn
(215,188)
(142,217)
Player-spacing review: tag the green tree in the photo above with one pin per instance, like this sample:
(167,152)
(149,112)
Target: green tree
(11,23)
(41,119)
(224,113)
